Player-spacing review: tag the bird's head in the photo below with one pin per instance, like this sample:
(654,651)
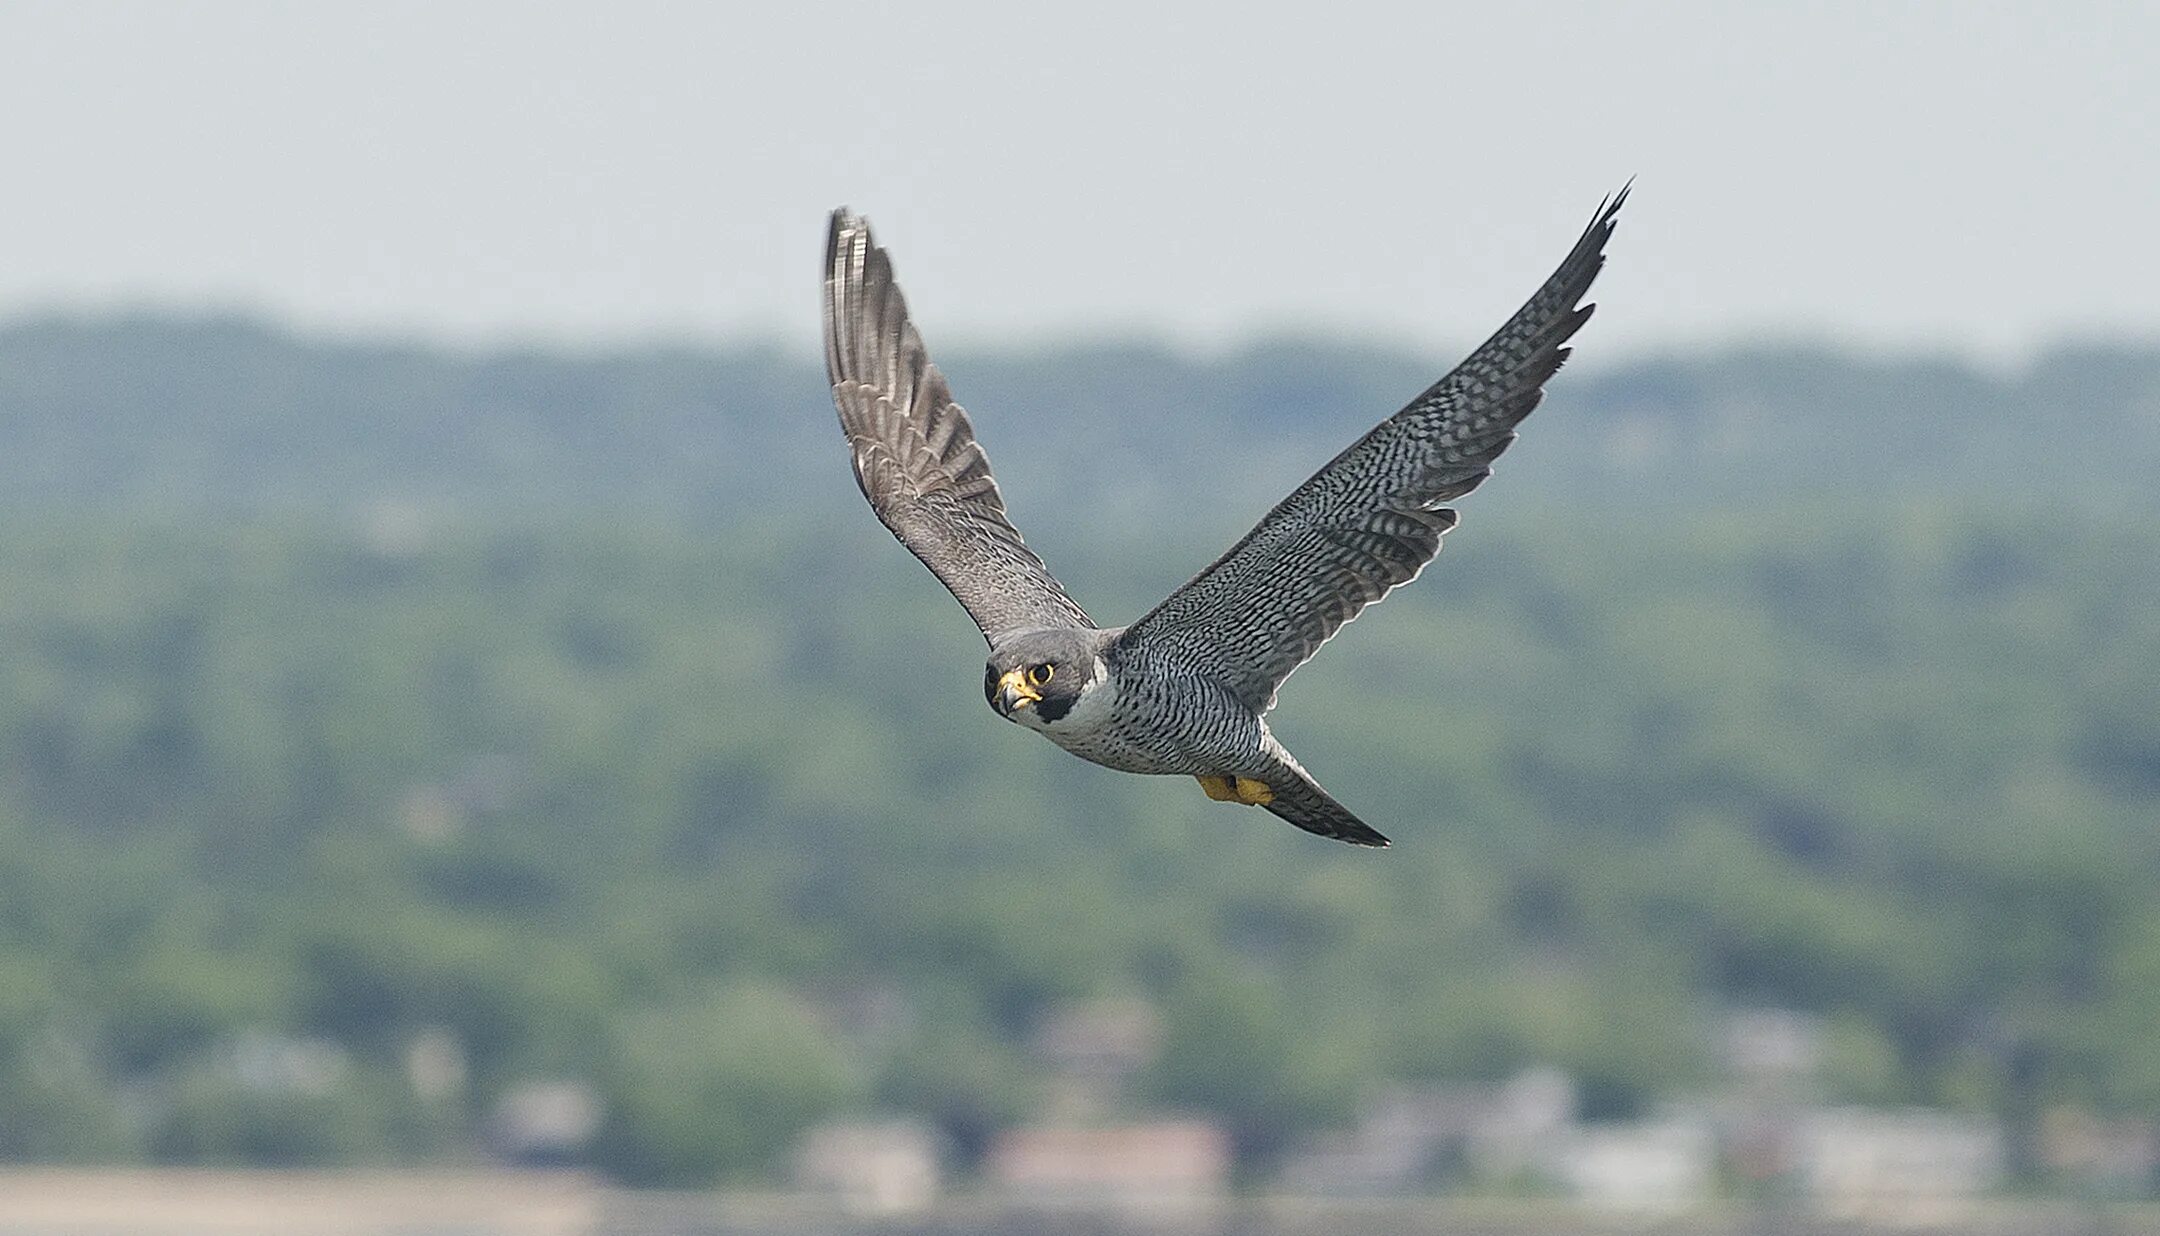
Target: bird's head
(1036,677)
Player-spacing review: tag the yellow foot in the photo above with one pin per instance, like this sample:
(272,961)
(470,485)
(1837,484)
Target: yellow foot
(1247,790)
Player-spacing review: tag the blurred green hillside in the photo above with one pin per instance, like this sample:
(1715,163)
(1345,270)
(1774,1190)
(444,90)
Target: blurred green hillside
(572,712)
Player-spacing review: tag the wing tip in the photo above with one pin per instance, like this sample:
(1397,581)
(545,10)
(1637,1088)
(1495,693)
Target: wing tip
(1608,211)
(866,319)
(847,237)
(841,227)
(1603,222)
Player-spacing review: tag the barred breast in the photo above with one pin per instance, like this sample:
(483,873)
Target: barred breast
(1147,714)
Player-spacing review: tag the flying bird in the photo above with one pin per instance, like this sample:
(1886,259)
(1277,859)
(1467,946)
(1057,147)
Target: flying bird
(1185,689)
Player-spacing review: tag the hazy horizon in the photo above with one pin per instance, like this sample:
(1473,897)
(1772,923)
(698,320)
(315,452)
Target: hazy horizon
(1923,178)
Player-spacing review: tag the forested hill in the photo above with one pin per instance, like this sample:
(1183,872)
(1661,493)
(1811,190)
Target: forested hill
(207,414)
(569,719)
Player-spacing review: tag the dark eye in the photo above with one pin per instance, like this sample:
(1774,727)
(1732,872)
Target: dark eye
(1040,674)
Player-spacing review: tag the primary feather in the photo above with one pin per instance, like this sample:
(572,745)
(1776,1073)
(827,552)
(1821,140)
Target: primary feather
(1372,518)
(915,453)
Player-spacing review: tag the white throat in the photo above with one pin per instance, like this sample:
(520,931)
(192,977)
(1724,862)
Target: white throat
(1098,699)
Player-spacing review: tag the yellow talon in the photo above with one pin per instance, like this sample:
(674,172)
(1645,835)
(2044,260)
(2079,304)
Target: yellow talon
(1248,790)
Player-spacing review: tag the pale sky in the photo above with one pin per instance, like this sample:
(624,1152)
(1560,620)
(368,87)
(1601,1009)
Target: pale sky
(1975,177)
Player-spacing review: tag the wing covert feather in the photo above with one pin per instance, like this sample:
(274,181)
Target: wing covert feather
(914,450)
(1373,516)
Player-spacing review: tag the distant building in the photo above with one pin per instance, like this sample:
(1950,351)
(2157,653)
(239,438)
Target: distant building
(2095,1154)
(434,811)
(1092,1049)
(544,1123)
(1760,1141)
(1907,1163)
(435,1065)
(1106,1037)
(1662,1165)
(1148,1164)
(875,1167)
(1772,1046)
(428,813)
(1408,1140)
(266,1060)
(1531,1117)
(869,1017)
(1417,1139)
(1773,1060)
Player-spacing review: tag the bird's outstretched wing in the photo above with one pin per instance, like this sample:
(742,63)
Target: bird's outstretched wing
(1373,517)
(915,452)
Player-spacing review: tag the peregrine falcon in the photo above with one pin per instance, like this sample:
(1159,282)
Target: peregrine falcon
(1184,689)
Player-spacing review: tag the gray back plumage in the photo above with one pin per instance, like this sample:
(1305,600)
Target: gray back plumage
(915,453)
(1373,517)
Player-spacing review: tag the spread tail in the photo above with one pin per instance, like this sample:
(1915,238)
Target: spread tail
(1303,803)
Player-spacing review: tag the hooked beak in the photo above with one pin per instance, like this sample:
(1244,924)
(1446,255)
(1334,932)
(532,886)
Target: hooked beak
(1015,693)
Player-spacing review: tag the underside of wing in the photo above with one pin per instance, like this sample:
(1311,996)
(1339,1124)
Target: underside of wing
(1373,517)
(914,450)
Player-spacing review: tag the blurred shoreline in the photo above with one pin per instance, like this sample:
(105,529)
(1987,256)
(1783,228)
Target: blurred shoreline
(59,1201)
